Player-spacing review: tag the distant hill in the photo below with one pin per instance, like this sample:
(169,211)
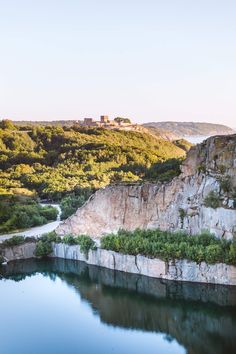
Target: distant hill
(44,123)
(158,133)
(161,133)
(190,128)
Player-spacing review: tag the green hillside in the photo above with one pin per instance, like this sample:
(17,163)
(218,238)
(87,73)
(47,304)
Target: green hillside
(52,161)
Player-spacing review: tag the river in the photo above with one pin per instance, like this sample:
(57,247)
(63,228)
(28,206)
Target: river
(37,230)
(67,307)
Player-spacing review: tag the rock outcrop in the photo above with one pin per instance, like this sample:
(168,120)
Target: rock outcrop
(209,170)
(181,270)
(23,251)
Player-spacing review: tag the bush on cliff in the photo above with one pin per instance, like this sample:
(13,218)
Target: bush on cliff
(169,246)
(212,200)
(43,248)
(14,241)
(85,242)
(44,245)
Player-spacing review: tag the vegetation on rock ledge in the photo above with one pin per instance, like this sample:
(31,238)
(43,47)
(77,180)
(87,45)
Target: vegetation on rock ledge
(169,246)
(44,244)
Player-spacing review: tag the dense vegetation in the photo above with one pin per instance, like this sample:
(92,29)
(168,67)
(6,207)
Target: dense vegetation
(71,202)
(19,212)
(168,246)
(69,163)
(14,241)
(44,245)
(51,161)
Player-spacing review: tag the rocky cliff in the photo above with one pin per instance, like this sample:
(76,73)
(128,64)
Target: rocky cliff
(181,270)
(203,197)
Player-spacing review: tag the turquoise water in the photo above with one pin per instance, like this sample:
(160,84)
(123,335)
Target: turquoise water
(68,307)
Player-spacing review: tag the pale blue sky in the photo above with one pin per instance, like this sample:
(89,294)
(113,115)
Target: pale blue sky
(150,60)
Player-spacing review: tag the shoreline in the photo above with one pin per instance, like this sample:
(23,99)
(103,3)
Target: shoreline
(177,270)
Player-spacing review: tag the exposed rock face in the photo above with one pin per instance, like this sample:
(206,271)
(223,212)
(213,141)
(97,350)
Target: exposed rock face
(171,206)
(23,251)
(182,270)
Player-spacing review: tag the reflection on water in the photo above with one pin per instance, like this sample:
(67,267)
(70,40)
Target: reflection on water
(61,306)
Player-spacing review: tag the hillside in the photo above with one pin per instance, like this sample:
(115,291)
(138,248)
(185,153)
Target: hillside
(157,132)
(202,197)
(191,128)
(52,161)
(161,133)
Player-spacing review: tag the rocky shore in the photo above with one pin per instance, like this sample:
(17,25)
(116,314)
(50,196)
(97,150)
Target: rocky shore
(180,270)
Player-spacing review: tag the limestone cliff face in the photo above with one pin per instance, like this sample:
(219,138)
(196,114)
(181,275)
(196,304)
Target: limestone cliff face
(210,166)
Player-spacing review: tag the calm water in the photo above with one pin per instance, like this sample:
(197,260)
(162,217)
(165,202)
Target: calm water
(196,139)
(68,307)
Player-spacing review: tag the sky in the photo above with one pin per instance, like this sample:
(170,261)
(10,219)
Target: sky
(149,60)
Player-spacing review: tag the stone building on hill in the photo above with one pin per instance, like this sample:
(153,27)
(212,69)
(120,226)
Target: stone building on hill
(105,122)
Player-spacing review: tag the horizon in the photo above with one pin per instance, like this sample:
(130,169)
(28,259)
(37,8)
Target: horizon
(152,61)
(132,121)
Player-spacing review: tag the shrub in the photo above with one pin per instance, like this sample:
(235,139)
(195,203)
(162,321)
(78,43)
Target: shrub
(14,241)
(38,220)
(182,214)
(168,246)
(44,245)
(49,213)
(23,212)
(86,244)
(69,239)
(43,248)
(226,184)
(214,253)
(72,202)
(51,237)
(232,253)
(212,200)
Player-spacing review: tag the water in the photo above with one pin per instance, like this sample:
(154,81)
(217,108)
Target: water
(60,306)
(196,139)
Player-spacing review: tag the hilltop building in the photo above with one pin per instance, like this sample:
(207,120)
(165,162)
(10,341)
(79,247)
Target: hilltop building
(112,124)
(103,122)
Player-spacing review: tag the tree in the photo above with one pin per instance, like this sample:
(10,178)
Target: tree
(7,124)
(122,120)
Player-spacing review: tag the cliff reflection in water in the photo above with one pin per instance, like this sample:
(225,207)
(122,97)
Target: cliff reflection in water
(202,318)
